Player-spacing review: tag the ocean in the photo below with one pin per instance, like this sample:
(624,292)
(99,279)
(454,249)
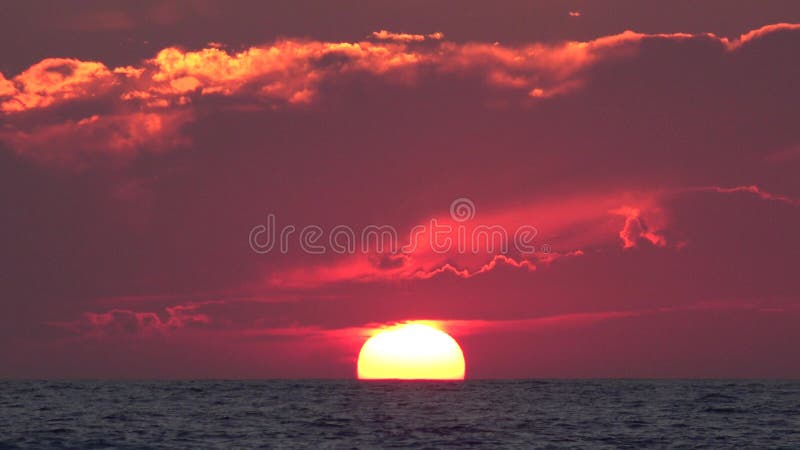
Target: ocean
(353,414)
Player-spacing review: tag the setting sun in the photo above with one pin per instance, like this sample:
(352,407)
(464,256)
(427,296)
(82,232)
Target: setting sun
(412,351)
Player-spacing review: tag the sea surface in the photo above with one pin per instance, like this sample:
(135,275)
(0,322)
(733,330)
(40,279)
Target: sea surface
(352,414)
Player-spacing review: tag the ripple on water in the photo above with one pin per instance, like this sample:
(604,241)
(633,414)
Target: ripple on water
(521,413)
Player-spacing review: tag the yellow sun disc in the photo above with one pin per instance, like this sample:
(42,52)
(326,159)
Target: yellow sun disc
(412,351)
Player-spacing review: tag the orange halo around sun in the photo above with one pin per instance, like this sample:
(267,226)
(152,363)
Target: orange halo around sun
(411,351)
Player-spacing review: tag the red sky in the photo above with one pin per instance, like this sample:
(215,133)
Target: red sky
(654,146)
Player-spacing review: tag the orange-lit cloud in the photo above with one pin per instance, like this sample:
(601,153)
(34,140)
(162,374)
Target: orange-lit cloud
(54,80)
(385,35)
(733,44)
(291,73)
(7,88)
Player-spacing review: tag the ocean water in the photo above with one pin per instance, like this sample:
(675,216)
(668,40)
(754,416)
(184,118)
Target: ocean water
(352,414)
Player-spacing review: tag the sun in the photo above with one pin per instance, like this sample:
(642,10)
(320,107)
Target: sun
(411,351)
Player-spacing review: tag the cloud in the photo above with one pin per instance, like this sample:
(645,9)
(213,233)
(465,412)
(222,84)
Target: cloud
(149,324)
(7,88)
(462,327)
(384,35)
(752,189)
(52,81)
(128,322)
(477,326)
(291,73)
(635,229)
(577,224)
(361,269)
(75,144)
(457,327)
(757,34)
(291,70)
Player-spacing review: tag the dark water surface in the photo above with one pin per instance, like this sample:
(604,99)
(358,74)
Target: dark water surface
(345,414)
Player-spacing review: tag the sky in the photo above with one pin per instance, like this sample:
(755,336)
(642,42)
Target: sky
(149,149)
